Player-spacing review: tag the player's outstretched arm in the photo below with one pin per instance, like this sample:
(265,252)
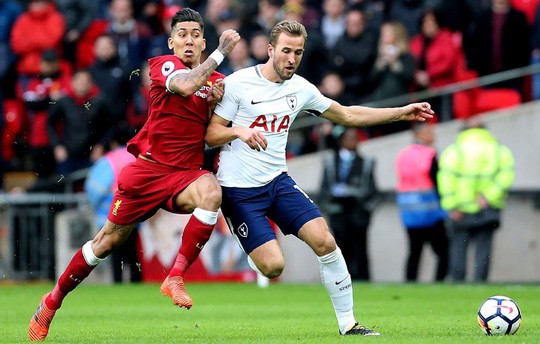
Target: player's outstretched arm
(219,133)
(362,116)
(187,84)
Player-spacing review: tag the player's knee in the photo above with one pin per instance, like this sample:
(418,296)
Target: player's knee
(272,268)
(211,197)
(324,245)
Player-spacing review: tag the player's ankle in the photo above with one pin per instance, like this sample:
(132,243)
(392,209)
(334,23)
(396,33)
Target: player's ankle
(52,304)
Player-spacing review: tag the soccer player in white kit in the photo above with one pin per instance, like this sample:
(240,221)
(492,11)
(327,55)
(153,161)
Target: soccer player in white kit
(252,124)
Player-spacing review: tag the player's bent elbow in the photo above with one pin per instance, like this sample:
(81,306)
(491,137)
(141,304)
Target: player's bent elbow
(216,135)
(210,141)
(185,89)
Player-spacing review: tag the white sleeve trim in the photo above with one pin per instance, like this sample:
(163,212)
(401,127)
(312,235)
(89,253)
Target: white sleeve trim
(176,72)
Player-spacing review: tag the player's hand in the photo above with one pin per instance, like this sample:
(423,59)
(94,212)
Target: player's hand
(455,215)
(482,202)
(216,93)
(416,112)
(228,41)
(253,138)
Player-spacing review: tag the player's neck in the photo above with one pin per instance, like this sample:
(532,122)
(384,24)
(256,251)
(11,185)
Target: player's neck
(268,72)
(192,65)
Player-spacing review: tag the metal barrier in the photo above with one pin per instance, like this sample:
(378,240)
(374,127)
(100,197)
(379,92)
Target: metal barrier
(29,221)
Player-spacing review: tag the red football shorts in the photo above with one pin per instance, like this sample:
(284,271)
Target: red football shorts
(144,187)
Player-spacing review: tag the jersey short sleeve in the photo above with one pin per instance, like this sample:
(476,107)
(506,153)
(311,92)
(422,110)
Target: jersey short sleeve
(228,106)
(163,70)
(317,103)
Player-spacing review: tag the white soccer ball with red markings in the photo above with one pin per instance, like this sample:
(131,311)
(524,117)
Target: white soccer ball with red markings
(499,315)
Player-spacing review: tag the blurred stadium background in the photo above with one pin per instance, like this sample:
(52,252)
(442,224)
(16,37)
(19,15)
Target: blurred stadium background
(56,224)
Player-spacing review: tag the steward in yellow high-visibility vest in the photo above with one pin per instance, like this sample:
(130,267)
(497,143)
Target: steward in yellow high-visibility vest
(475,166)
(475,174)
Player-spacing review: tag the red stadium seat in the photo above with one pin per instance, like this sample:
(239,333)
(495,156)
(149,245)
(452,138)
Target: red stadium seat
(528,7)
(463,102)
(477,100)
(497,98)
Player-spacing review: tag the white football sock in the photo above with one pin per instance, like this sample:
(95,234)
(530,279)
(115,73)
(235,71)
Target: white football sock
(337,281)
(262,280)
(89,255)
(207,217)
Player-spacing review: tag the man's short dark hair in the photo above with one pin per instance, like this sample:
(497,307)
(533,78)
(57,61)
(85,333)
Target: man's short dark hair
(187,15)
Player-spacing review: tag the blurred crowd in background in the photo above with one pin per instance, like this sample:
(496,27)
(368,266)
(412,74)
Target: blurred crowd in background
(74,72)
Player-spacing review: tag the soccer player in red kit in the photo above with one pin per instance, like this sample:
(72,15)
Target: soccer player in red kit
(168,171)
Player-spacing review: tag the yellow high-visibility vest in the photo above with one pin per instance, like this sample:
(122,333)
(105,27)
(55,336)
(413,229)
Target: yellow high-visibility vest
(475,165)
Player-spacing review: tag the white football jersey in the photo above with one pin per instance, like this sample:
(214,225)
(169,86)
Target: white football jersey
(252,101)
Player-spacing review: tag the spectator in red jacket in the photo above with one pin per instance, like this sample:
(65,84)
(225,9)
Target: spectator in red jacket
(434,51)
(38,29)
(436,57)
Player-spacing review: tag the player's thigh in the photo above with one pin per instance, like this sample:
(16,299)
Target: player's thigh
(203,192)
(291,208)
(245,214)
(317,235)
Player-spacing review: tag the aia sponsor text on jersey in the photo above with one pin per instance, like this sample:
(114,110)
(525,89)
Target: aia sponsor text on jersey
(271,123)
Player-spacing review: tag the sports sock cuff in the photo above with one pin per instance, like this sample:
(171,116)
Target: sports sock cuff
(330,257)
(89,255)
(206,216)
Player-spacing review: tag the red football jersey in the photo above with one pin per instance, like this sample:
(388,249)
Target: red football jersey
(173,135)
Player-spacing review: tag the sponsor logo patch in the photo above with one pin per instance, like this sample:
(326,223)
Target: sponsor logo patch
(167,68)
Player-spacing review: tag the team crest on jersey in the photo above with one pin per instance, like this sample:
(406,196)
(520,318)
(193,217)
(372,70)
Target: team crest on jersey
(117,205)
(291,101)
(243,230)
(167,68)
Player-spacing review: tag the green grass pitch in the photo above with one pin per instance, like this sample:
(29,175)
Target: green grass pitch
(281,313)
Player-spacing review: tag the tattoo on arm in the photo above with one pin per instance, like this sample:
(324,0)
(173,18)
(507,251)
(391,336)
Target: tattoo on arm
(121,230)
(188,83)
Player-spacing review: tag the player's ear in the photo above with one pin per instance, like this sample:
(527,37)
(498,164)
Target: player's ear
(170,43)
(270,51)
(203,44)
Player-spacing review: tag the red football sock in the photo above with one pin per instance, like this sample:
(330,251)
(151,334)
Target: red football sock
(75,273)
(195,236)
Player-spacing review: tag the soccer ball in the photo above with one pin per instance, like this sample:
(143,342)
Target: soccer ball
(499,315)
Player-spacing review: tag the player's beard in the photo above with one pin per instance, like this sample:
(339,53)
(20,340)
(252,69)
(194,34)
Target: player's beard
(280,72)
